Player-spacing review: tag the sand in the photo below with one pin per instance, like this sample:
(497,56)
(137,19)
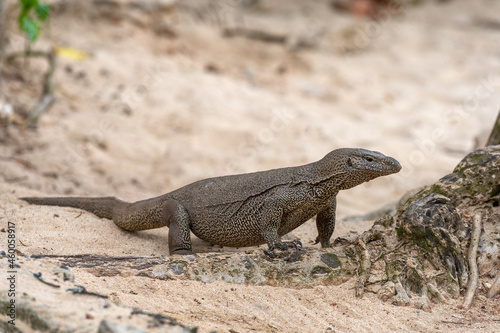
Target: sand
(147,113)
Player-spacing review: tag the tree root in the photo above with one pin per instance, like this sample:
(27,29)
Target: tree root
(409,278)
(365,264)
(364,267)
(495,288)
(401,297)
(474,242)
(384,253)
(436,293)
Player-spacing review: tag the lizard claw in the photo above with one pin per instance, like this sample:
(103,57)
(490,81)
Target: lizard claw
(284,246)
(323,244)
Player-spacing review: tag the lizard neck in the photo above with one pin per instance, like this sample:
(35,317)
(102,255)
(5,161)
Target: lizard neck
(328,169)
(321,175)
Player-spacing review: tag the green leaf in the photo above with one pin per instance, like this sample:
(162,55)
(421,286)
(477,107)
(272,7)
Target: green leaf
(31,28)
(42,11)
(28,4)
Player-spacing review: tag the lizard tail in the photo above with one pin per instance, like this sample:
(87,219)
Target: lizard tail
(102,207)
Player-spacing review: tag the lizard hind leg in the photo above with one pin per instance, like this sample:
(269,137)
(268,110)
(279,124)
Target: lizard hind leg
(179,234)
(157,213)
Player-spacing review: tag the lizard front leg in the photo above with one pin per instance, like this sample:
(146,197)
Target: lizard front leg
(325,222)
(178,222)
(274,216)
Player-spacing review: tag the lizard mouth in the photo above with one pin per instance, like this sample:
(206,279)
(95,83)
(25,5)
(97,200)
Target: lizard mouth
(386,166)
(391,165)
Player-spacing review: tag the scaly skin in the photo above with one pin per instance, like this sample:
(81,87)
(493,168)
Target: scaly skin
(248,209)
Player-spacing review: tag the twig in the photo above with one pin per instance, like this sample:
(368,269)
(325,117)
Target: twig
(474,242)
(48,83)
(37,111)
(48,91)
(452,322)
(83,291)
(255,34)
(39,277)
(27,53)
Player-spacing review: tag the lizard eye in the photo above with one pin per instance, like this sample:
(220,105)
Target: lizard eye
(369,158)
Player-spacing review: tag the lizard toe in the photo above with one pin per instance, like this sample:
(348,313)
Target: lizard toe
(182,252)
(285,246)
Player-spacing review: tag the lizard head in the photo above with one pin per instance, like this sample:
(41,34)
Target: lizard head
(372,162)
(362,165)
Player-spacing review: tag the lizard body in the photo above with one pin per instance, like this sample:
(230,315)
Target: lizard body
(247,209)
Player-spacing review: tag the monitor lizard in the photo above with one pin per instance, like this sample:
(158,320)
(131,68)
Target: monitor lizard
(246,209)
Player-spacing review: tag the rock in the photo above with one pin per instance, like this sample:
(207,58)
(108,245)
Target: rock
(110,327)
(43,308)
(65,273)
(436,222)
(296,268)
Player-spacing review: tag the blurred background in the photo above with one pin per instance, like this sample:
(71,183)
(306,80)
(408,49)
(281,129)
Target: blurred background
(137,98)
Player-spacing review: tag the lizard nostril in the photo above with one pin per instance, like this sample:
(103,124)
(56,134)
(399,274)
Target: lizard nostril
(397,165)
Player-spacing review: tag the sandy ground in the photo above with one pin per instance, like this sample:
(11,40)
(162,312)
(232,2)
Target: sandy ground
(148,112)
